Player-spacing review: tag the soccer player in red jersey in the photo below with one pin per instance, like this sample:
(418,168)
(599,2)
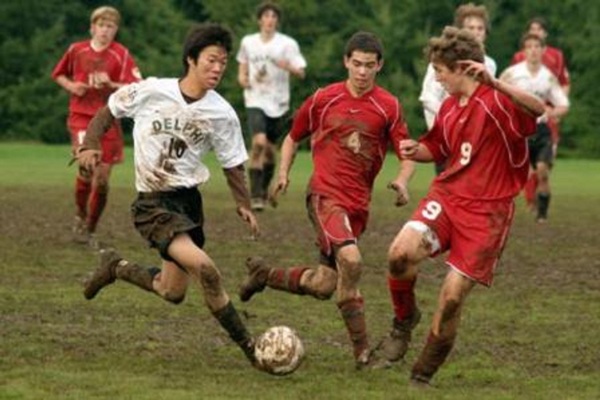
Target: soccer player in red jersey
(481,133)
(554,60)
(90,71)
(350,125)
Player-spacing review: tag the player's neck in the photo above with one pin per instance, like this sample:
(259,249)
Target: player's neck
(469,87)
(533,67)
(191,90)
(265,36)
(356,91)
(97,46)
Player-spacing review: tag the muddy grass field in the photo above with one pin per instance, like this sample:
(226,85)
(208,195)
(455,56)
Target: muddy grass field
(533,335)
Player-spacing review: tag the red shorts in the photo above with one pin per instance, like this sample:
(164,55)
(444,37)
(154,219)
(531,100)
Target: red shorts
(335,225)
(473,231)
(111,142)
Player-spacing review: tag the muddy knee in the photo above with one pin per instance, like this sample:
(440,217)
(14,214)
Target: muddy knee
(173,297)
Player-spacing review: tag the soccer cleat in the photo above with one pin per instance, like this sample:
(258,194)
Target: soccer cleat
(80,231)
(256,281)
(419,381)
(104,275)
(371,359)
(394,346)
(257,204)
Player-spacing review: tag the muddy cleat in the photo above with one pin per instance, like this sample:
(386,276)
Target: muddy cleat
(257,204)
(104,275)
(419,381)
(370,359)
(256,281)
(80,230)
(394,346)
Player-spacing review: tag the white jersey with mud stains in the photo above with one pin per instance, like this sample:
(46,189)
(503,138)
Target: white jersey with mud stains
(269,84)
(544,84)
(171,136)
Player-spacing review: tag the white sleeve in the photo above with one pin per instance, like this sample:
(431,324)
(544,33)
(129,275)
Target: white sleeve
(556,95)
(294,56)
(432,95)
(242,54)
(126,101)
(490,64)
(228,141)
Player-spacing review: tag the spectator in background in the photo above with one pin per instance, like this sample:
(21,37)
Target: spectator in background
(476,20)
(266,61)
(90,71)
(554,60)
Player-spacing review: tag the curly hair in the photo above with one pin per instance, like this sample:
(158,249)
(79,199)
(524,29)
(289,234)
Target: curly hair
(454,45)
(471,10)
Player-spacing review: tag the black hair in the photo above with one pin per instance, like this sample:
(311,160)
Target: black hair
(202,36)
(366,42)
(266,6)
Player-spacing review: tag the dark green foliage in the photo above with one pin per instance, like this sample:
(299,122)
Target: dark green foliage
(33,36)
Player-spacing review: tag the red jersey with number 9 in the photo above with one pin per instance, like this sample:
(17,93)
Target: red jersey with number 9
(349,140)
(484,145)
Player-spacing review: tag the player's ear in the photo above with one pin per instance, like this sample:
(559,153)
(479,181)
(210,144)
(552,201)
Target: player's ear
(380,64)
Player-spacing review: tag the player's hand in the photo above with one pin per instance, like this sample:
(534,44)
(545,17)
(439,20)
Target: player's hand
(249,217)
(279,188)
(78,88)
(283,64)
(476,70)
(402,196)
(408,148)
(101,79)
(88,159)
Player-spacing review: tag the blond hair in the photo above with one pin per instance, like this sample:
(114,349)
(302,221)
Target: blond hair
(454,45)
(106,12)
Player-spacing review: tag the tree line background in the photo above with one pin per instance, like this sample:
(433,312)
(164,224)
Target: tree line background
(34,35)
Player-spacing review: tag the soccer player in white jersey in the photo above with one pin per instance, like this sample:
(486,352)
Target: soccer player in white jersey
(475,19)
(266,61)
(533,76)
(178,121)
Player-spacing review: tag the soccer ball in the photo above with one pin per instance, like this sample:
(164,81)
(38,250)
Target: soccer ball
(279,350)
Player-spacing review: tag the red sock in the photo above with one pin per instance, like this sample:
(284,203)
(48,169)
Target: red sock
(403,296)
(82,194)
(287,279)
(98,200)
(353,313)
(530,189)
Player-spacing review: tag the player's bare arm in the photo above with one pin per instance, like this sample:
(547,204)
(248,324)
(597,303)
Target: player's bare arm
(88,155)
(236,180)
(287,66)
(288,153)
(528,102)
(400,184)
(243,75)
(73,87)
(410,149)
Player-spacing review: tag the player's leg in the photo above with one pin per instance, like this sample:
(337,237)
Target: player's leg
(257,122)
(444,326)
(412,244)
(274,130)
(543,162)
(530,190)
(204,273)
(83,180)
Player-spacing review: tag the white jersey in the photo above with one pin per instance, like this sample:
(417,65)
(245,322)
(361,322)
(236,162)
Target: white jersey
(544,84)
(269,85)
(433,93)
(171,136)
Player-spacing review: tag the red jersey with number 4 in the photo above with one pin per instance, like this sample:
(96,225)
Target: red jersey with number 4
(484,146)
(81,63)
(349,140)
(553,59)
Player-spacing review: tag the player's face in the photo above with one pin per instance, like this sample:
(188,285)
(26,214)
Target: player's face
(362,69)
(104,31)
(537,30)
(451,81)
(268,21)
(476,26)
(209,68)
(533,51)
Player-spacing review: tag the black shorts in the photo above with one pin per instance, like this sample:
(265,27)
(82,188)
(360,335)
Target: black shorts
(259,122)
(540,146)
(160,216)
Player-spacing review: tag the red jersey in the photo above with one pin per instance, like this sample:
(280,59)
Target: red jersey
(349,140)
(81,62)
(483,145)
(553,59)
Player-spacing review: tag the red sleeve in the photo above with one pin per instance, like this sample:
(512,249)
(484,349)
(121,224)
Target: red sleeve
(130,72)
(304,120)
(517,57)
(434,141)
(563,75)
(513,120)
(63,67)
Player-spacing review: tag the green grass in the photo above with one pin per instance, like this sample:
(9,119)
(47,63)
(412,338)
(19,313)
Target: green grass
(533,335)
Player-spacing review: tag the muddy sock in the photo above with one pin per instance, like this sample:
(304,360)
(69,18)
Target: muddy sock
(256,179)
(543,200)
(83,189)
(137,275)
(97,203)
(268,171)
(403,297)
(286,279)
(434,354)
(353,313)
(231,322)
